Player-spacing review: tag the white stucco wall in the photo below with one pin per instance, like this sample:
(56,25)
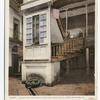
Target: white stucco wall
(56,69)
(56,36)
(37,52)
(13,14)
(47,70)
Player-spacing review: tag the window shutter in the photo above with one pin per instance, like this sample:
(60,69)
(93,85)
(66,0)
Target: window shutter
(29,33)
(42,29)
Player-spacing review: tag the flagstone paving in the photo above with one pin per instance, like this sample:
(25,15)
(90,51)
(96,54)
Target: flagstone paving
(16,88)
(75,83)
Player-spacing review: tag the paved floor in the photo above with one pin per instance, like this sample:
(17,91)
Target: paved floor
(16,88)
(77,83)
(67,89)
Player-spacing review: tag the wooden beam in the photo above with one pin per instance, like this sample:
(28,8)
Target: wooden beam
(87,61)
(86,20)
(66,21)
(77,12)
(87,49)
(78,4)
(35,3)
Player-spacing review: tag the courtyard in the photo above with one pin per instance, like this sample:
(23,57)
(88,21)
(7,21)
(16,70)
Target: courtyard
(77,83)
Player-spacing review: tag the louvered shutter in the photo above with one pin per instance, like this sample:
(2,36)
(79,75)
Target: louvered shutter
(42,28)
(29,33)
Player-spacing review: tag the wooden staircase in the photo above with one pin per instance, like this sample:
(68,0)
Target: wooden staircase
(70,48)
(63,33)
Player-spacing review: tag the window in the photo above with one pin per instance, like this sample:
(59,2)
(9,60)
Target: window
(29,36)
(16,29)
(36,29)
(43,28)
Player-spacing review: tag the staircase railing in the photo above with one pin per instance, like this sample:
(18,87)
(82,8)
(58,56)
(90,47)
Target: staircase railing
(61,28)
(69,46)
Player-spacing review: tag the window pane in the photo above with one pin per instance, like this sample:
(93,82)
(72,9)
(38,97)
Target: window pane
(36,29)
(28,31)
(29,36)
(29,20)
(43,28)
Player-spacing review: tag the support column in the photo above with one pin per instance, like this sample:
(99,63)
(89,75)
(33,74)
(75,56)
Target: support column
(87,49)
(87,61)
(67,61)
(67,66)
(66,20)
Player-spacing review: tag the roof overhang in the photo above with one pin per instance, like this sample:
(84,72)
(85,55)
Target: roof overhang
(35,3)
(61,3)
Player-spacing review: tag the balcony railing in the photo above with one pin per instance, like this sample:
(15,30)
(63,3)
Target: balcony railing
(68,47)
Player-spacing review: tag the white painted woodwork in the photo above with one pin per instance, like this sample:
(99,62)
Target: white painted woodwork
(25,1)
(34,4)
(41,52)
(37,52)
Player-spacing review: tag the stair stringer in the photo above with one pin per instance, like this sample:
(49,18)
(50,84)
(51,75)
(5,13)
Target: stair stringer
(56,36)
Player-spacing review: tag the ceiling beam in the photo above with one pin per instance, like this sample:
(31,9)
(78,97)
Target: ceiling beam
(35,3)
(14,5)
(78,4)
(77,12)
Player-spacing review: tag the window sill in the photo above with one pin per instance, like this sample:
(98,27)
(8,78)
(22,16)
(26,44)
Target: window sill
(36,45)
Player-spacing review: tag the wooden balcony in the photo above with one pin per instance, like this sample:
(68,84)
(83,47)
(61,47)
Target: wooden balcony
(68,49)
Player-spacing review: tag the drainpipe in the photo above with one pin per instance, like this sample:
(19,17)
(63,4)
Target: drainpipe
(87,49)
(66,20)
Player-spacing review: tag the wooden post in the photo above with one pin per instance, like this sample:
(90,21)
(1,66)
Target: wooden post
(66,20)
(67,66)
(87,49)
(87,60)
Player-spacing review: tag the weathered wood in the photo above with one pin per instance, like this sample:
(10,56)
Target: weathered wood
(78,4)
(68,48)
(78,11)
(61,28)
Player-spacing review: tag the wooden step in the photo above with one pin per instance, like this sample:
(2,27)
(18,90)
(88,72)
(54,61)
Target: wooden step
(57,59)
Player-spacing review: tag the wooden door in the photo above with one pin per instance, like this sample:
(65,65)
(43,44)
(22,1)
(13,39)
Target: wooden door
(15,63)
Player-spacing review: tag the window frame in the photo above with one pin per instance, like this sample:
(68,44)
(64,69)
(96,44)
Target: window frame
(35,14)
(16,21)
